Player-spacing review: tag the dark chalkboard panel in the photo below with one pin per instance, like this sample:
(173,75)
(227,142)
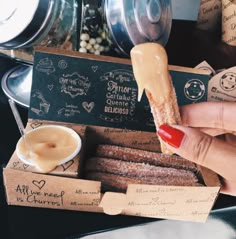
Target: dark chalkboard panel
(87,89)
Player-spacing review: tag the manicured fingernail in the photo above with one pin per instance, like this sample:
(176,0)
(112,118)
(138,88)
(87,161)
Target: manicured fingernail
(170,135)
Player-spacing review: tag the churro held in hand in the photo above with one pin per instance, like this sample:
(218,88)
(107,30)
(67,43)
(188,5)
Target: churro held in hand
(150,67)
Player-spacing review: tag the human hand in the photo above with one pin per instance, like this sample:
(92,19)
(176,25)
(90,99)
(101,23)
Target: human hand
(196,139)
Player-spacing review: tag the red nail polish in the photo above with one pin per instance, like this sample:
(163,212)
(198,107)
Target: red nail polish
(170,135)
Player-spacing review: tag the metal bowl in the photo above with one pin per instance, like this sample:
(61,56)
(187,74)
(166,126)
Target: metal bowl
(138,21)
(22,22)
(16,84)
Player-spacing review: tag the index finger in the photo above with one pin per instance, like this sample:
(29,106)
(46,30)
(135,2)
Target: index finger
(217,115)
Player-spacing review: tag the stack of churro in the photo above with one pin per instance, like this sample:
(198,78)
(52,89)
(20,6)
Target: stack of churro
(117,166)
(150,67)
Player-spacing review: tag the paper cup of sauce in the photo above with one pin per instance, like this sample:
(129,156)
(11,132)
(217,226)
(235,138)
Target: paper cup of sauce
(48,146)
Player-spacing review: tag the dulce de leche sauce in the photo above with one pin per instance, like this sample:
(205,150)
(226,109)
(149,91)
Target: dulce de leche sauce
(49,146)
(150,67)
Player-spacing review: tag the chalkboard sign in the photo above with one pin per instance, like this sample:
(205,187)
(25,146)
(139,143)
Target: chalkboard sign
(94,90)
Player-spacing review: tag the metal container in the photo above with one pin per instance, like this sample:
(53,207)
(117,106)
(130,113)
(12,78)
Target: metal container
(25,24)
(109,27)
(137,21)
(16,84)
(114,26)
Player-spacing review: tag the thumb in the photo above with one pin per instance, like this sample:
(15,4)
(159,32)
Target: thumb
(201,149)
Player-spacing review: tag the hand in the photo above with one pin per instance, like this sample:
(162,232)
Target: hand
(196,140)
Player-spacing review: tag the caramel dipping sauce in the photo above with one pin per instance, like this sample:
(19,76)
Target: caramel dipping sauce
(48,146)
(150,67)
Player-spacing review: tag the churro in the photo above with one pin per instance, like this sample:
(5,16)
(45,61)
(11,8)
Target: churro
(144,156)
(138,170)
(150,67)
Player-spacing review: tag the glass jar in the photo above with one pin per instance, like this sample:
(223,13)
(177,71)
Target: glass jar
(94,34)
(107,27)
(113,27)
(25,24)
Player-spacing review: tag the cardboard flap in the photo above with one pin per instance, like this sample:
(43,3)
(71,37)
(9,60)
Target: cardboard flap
(170,202)
(38,190)
(113,203)
(222,86)
(86,89)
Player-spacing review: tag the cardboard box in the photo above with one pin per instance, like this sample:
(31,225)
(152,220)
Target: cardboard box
(97,96)
(69,169)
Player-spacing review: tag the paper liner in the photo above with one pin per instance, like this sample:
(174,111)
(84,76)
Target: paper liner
(209,16)
(222,87)
(229,22)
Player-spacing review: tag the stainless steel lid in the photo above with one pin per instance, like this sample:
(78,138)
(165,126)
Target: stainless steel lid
(138,21)
(21,22)
(16,84)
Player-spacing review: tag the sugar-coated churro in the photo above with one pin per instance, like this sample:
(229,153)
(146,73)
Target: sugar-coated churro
(138,170)
(144,156)
(150,67)
(117,166)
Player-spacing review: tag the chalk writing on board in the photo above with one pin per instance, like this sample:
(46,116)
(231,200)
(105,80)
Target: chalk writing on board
(120,75)
(50,87)
(88,106)
(102,93)
(69,110)
(62,64)
(74,84)
(94,68)
(194,89)
(45,65)
(43,105)
(116,119)
(120,97)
